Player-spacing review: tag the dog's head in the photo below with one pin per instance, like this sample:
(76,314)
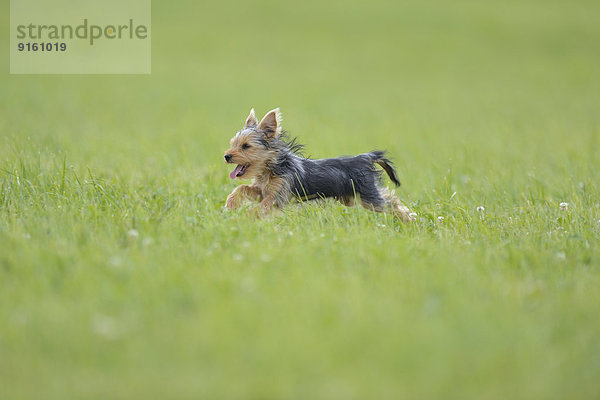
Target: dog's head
(251,147)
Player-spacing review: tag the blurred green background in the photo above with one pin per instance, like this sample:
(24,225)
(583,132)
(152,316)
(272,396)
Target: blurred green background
(121,276)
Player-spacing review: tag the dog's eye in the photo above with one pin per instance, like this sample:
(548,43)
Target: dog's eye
(245,146)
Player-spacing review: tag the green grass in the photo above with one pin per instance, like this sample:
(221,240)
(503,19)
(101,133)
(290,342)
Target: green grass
(121,277)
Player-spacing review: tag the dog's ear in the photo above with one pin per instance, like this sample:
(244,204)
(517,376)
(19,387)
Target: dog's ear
(251,121)
(270,125)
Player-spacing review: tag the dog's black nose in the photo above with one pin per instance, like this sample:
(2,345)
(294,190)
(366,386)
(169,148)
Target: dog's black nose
(227,157)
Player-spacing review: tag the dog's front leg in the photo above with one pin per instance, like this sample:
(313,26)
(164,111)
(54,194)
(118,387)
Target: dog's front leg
(267,205)
(235,198)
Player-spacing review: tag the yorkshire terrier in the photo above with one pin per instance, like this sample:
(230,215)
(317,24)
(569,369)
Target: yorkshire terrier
(263,152)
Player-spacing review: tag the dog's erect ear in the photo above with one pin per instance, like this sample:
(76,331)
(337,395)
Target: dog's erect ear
(251,121)
(270,125)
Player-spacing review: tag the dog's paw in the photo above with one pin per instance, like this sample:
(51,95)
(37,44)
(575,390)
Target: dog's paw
(232,202)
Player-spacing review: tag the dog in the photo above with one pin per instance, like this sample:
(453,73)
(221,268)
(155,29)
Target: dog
(264,153)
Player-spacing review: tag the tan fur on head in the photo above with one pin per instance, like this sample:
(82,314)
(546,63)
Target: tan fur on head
(246,149)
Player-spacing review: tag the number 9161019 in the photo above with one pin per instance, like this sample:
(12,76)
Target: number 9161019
(42,46)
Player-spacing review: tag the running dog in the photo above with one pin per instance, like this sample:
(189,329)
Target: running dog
(264,153)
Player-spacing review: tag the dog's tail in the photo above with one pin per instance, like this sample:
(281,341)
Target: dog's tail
(378,157)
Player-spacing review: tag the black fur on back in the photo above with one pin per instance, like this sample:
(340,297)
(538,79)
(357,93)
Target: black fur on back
(341,178)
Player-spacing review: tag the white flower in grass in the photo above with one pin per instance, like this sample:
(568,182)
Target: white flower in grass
(440,219)
(106,327)
(115,262)
(133,233)
(481,209)
(564,206)
(412,216)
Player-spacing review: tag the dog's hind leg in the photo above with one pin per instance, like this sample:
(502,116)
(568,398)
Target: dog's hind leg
(372,206)
(373,201)
(394,204)
(384,201)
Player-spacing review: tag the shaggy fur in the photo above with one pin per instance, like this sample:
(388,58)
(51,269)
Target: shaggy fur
(263,152)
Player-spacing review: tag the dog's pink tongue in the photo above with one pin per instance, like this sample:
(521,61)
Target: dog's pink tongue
(234,173)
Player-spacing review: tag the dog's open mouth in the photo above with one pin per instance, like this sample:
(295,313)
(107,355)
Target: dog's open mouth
(238,171)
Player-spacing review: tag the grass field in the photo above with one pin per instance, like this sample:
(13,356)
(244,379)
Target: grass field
(122,278)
